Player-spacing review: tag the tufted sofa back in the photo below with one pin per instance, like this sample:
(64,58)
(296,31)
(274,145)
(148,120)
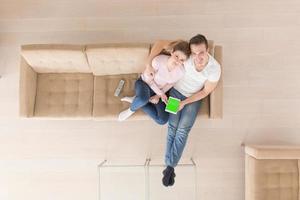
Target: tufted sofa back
(103,59)
(53,58)
(113,59)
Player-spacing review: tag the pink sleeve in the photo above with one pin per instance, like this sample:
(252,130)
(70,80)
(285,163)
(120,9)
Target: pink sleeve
(167,87)
(156,62)
(178,77)
(149,80)
(156,89)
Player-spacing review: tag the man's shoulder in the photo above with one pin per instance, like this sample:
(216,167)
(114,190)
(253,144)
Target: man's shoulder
(213,70)
(213,64)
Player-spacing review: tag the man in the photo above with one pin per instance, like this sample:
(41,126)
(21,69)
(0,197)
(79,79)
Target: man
(202,73)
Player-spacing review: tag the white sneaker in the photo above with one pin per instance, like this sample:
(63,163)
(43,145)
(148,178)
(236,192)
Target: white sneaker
(125,114)
(128,99)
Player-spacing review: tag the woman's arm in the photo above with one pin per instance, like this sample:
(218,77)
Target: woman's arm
(157,91)
(167,87)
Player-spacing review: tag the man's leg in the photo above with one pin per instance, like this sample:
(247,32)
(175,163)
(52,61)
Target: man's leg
(172,127)
(169,173)
(186,121)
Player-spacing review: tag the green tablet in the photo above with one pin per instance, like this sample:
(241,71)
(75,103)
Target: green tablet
(172,105)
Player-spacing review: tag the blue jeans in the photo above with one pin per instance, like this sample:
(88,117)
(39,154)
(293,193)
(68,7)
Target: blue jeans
(143,93)
(179,128)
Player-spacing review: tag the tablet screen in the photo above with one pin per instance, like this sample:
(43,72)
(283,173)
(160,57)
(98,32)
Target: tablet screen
(172,105)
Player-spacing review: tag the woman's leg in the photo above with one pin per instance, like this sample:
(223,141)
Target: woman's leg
(142,92)
(142,95)
(157,112)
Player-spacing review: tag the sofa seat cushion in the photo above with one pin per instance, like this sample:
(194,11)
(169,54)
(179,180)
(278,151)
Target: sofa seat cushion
(46,58)
(117,59)
(106,105)
(64,95)
(274,179)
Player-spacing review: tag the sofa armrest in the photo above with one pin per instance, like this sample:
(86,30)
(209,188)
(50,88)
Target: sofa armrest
(249,177)
(216,97)
(273,152)
(28,82)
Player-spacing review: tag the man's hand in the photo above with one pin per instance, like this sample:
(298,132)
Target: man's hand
(181,105)
(154,99)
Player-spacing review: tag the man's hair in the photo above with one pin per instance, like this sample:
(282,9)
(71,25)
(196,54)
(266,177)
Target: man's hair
(184,47)
(199,39)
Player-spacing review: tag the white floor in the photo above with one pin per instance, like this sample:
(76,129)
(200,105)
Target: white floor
(59,159)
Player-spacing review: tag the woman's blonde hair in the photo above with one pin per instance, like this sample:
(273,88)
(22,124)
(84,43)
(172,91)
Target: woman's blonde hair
(178,45)
(184,47)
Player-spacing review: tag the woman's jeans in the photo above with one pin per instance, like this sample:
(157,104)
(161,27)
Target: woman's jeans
(143,93)
(179,127)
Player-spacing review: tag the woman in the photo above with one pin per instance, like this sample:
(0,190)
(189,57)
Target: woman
(150,89)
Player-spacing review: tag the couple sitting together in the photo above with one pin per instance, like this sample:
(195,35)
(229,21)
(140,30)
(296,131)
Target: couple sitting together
(180,69)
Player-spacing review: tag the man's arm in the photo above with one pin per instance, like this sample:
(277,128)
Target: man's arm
(157,47)
(207,89)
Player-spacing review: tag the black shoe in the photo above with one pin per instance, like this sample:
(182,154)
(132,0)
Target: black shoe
(172,179)
(168,172)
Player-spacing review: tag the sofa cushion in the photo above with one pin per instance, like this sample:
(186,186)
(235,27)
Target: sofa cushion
(64,95)
(106,105)
(56,58)
(117,59)
(273,179)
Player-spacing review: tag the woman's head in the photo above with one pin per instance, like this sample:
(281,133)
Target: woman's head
(180,53)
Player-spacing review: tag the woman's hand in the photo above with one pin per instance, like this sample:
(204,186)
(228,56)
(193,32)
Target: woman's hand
(154,99)
(164,98)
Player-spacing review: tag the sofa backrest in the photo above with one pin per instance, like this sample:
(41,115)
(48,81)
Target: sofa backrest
(49,58)
(112,59)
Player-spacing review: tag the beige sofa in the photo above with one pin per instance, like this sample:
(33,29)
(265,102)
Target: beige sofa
(272,172)
(78,81)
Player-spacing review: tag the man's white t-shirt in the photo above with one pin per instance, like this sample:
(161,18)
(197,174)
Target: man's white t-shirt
(193,81)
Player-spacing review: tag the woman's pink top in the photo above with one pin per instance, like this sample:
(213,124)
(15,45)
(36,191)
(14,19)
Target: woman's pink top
(163,79)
